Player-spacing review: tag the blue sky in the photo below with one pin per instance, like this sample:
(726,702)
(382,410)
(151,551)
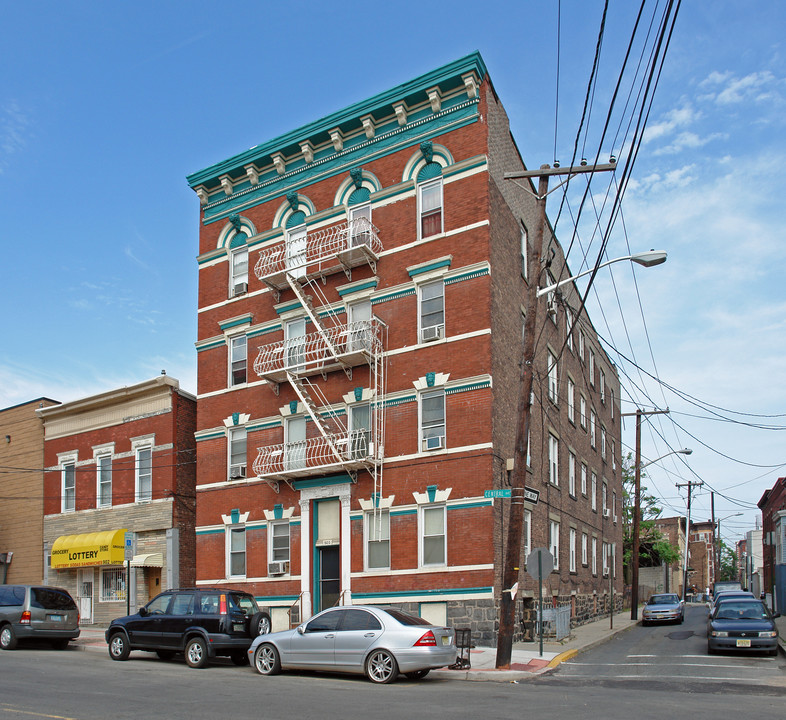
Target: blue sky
(106,106)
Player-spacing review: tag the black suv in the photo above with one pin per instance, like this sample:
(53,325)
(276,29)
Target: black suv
(199,622)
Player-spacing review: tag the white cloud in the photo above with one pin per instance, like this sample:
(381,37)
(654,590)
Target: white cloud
(728,89)
(14,128)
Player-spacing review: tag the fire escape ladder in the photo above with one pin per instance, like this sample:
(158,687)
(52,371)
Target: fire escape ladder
(319,323)
(303,389)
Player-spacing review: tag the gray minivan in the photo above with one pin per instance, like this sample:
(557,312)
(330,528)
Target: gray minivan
(37,611)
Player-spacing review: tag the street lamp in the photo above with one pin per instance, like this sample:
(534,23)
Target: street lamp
(634,589)
(647,259)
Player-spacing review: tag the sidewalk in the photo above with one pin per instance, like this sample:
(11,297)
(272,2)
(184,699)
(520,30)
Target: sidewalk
(526,660)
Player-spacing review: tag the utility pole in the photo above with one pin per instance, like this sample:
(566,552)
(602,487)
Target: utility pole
(510,569)
(635,531)
(715,541)
(690,485)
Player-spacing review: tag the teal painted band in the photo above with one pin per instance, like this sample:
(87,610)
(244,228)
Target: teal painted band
(264,331)
(399,513)
(466,276)
(425,593)
(321,482)
(466,388)
(392,296)
(275,599)
(234,322)
(211,346)
(357,288)
(211,436)
(210,532)
(428,268)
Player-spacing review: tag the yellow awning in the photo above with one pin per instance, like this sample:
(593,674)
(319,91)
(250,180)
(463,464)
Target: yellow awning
(100,548)
(148,560)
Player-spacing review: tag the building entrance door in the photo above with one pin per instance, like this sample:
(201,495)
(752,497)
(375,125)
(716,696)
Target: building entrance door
(85,594)
(329,576)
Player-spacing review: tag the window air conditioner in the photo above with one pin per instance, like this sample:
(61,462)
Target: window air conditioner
(434,443)
(237,472)
(607,513)
(280,567)
(435,332)
(240,289)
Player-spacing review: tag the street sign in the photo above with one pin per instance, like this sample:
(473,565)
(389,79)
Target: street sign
(501,493)
(540,563)
(129,546)
(530,495)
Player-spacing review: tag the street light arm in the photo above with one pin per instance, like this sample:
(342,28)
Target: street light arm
(647,259)
(684,451)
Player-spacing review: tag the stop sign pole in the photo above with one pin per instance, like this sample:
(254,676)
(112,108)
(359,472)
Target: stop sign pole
(540,562)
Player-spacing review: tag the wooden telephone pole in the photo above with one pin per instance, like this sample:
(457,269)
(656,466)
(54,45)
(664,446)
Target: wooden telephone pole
(510,569)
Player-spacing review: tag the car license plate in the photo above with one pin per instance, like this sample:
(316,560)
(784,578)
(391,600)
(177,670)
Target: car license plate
(56,618)
(445,640)
(238,627)
(743,642)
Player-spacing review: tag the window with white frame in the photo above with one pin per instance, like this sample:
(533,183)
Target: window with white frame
(569,328)
(571,400)
(360,434)
(103,480)
(614,505)
(527,533)
(581,344)
(295,443)
(603,442)
(572,474)
(572,549)
(524,252)
(605,551)
(236,551)
(604,498)
(295,343)
(433,538)
(278,541)
(377,539)
(602,386)
(430,207)
(432,420)
(583,479)
(591,366)
(550,297)
(238,280)
(360,224)
(359,336)
(592,428)
(144,473)
(113,584)
(554,542)
(431,296)
(296,246)
(583,411)
(584,550)
(613,454)
(594,556)
(594,492)
(237,453)
(553,460)
(68,482)
(237,360)
(611,401)
(553,380)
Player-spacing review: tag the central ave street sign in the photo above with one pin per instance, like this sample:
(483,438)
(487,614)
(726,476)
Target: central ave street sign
(530,495)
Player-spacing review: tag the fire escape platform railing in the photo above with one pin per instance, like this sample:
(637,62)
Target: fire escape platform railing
(326,251)
(307,355)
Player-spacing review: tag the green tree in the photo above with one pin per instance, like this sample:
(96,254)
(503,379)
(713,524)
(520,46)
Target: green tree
(728,563)
(654,547)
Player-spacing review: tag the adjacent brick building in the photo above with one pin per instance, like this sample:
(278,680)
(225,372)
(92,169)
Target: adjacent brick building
(773,514)
(120,464)
(22,492)
(362,289)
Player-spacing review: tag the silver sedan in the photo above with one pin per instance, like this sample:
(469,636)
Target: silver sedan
(375,640)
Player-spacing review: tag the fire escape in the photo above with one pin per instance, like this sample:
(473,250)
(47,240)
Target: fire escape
(343,442)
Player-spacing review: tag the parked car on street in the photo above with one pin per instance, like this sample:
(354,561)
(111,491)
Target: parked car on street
(377,641)
(199,622)
(663,607)
(37,611)
(742,624)
(727,595)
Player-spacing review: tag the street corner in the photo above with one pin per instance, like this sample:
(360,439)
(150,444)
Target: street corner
(562,657)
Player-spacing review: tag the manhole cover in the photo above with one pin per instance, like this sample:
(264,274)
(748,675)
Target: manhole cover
(680,635)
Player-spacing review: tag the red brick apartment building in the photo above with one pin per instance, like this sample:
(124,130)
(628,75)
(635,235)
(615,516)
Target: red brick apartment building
(362,283)
(22,493)
(120,464)
(773,515)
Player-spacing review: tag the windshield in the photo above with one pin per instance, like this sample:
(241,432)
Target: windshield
(663,600)
(741,611)
(405,618)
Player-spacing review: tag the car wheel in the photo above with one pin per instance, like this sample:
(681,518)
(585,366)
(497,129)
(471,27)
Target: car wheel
(267,661)
(239,658)
(60,644)
(417,675)
(8,639)
(196,653)
(118,647)
(381,667)
(259,624)
(165,654)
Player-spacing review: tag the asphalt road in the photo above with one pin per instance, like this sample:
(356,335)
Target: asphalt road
(652,672)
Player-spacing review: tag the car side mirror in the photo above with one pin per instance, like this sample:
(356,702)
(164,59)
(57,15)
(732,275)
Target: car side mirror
(301,629)
(143,612)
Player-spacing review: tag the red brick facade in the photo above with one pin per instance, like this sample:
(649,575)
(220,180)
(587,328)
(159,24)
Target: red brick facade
(475,362)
